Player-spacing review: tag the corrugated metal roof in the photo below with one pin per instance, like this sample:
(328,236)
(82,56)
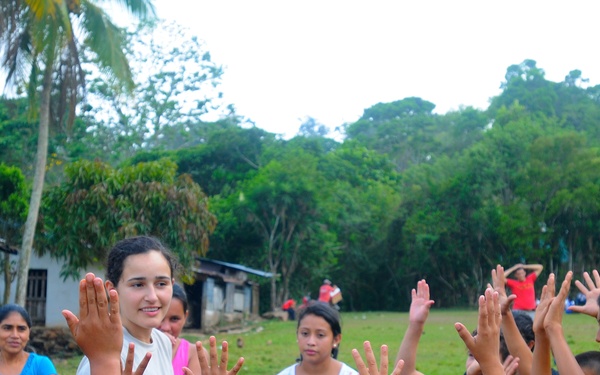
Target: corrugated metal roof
(238,267)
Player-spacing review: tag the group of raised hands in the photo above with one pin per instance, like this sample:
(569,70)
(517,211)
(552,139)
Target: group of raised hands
(99,333)
(495,315)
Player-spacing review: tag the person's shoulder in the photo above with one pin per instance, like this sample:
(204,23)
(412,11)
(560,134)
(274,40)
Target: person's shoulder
(41,363)
(160,335)
(289,370)
(347,370)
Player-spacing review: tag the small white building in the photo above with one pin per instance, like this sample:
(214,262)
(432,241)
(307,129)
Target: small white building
(47,293)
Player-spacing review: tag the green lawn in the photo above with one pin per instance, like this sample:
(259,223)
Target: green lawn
(271,346)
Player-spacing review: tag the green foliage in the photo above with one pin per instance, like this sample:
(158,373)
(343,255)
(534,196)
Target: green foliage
(404,130)
(98,205)
(14,203)
(176,86)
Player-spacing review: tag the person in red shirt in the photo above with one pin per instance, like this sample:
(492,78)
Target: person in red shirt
(325,291)
(523,286)
(290,307)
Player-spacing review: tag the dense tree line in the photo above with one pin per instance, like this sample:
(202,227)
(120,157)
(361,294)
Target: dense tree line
(408,194)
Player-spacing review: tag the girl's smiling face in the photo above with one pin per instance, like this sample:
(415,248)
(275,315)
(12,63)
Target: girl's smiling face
(145,290)
(316,339)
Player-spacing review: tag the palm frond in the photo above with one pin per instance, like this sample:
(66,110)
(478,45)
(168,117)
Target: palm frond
(43,8)
(107,41)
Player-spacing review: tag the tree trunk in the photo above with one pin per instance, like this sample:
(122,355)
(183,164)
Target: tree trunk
(7,278)
(38,186)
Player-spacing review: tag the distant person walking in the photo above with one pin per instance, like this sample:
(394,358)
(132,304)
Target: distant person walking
(325,291)
(523,286)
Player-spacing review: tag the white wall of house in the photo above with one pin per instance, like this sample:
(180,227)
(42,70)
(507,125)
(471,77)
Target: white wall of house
(60,294)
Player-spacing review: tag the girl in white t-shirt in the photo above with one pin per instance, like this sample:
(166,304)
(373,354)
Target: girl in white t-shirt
(319,334)
(140,269)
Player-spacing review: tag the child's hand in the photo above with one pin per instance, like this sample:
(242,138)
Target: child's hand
(553,318)
(546,299)
(420,305)
(371,369)
(215,367)
(485,346)
(591,302)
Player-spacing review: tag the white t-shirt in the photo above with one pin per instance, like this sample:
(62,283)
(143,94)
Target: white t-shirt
(345,370)
(161,349)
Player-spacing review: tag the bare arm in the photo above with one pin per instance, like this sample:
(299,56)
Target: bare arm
(513,269)
(535,268)
(565,360)
(541,351)
(517,347)
(419,311)
(486,345)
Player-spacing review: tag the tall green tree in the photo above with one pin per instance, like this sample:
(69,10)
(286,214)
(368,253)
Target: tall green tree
(282,202)
(41,52)
(97,206)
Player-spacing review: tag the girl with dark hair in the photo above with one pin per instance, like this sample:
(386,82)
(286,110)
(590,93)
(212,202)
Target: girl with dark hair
(184,353)
(15,327)
(319,334)
(141,269)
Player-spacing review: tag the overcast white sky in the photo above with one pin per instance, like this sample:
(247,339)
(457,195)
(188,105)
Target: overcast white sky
(330,59)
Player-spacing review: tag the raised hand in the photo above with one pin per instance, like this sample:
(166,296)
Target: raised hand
(553,318)
(564,358)
(99,333)
(511,365)
(215,367)
(499,285)
(421,304)
(129,363)
(546,299)
(371,367)
(485,346)
(592,292)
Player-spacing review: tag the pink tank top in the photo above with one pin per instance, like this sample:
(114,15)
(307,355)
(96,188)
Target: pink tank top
(180,359)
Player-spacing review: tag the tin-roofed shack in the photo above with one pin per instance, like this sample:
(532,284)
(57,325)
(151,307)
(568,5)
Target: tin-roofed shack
(222,294)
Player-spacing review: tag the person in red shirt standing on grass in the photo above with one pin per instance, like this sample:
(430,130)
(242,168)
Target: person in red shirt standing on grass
(523,286)
(325,291)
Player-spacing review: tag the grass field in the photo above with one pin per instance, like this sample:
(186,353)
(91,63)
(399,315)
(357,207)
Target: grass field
(271,346)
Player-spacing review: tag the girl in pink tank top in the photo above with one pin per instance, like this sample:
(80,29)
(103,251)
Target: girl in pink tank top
(184,354)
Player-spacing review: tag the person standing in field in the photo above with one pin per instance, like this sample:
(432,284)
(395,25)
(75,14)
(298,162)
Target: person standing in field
(325,291)
(523,286)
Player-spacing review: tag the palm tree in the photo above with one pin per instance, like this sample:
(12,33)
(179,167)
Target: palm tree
(42,42)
